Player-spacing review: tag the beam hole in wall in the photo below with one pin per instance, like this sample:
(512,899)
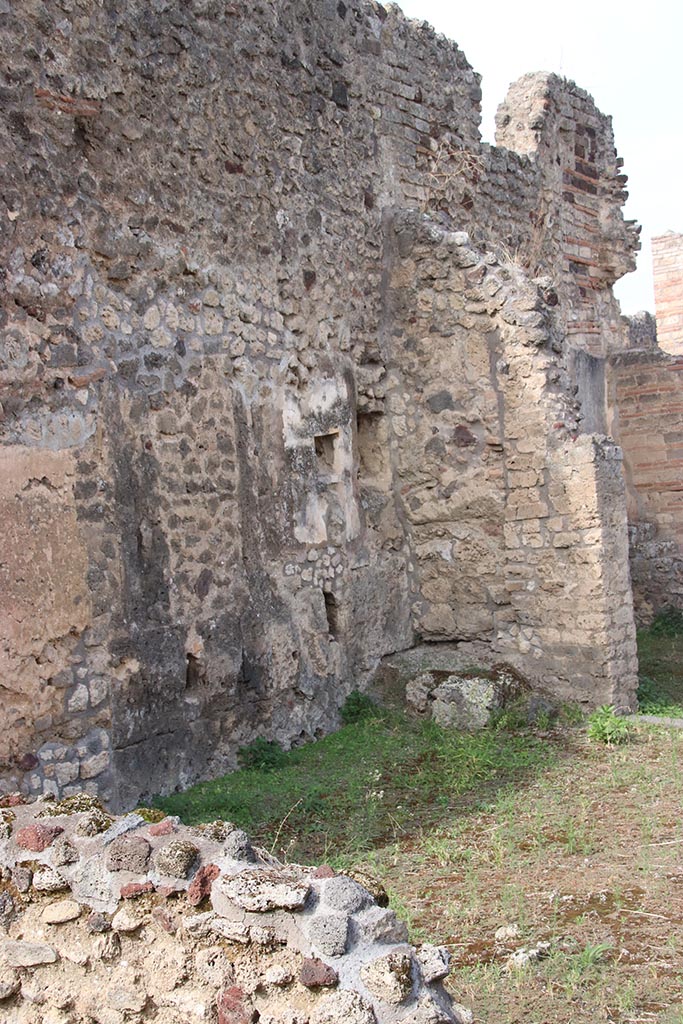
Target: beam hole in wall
(325,450)
(332,613)
(194,673)
(372,444)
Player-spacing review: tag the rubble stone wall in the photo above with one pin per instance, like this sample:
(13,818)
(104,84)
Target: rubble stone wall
(248,455)
(111,920)
(646,404)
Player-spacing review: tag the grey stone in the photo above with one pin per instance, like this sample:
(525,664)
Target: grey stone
(27,954)
(128,853)
(343,894)
(238,846)
(377,924)
(434,962)
(328,933)
(63,852)
(46,879)
(121,826)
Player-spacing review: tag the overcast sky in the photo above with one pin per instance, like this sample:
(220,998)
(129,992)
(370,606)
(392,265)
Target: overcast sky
(628,56)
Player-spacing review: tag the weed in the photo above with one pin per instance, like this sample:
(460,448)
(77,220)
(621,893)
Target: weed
(266,755)
(668,622)
(606,726)
(357,706)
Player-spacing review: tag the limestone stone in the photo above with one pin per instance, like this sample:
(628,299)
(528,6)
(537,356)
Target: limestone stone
(27,954)
(61,912)
(264,890)
(389,977)
(176,859)
(328,933)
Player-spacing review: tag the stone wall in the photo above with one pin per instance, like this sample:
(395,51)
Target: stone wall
(111,920)
(288,378)
(667,265)
(646,403)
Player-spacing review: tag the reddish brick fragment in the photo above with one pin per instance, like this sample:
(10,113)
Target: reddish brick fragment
(133,889)
(12,800)
(38,837)
(232,1008)
(200,886)
(316,973)
(324,871)
(162,828)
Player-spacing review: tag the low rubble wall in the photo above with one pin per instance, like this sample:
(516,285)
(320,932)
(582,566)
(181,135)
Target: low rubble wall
(109,920)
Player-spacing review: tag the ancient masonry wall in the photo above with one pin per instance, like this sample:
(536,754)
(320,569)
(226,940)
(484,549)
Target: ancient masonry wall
(118,919)
(646,402)
(667,265)
(288,379)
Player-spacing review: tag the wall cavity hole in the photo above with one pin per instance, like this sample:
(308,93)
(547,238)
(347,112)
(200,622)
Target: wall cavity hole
(332,613)
(325,445)
(194,672)
(372,439)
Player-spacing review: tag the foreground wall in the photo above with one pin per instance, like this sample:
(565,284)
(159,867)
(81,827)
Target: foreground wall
(288,380)
(117,919)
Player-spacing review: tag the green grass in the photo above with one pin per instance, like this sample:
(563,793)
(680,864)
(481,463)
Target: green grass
(367,785)
(660,653)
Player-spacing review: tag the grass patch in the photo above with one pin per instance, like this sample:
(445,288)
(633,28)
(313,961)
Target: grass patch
(660,653)
(374,781)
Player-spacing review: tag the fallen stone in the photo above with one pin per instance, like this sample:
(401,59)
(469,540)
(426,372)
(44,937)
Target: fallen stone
(37,837)
(176,859)
(128,853)
(261,891)
(507,933)
(316,973)
(389,977)
(200,886)
(61,912)
(27,954)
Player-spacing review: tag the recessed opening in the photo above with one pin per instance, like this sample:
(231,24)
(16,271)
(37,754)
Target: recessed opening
(194,672)
(325,450)
(372,444)
(332,613)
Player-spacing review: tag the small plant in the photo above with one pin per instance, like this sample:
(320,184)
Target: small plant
(606,726)
(668,622)
(266,755)
(356,707)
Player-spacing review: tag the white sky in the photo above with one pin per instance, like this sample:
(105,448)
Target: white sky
(628,56)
